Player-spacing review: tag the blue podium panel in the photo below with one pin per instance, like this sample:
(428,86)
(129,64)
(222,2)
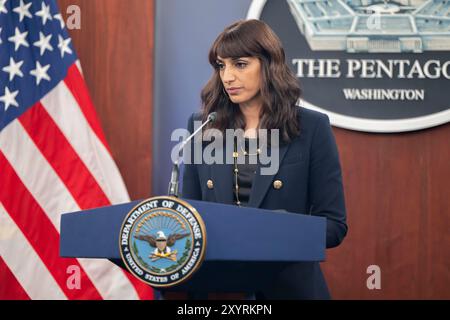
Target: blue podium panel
(93,233)
(233,233)
(252,234)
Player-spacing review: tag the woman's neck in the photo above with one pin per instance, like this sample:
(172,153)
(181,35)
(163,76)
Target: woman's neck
(251,112)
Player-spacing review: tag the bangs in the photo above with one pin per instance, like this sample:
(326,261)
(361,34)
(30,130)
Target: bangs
(233,44)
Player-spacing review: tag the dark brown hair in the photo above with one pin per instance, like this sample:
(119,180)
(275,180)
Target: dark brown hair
(279,89)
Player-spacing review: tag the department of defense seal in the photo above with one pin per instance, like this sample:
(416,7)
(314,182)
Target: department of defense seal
(162,241)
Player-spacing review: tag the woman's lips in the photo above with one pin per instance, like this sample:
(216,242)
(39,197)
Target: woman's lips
(233,90)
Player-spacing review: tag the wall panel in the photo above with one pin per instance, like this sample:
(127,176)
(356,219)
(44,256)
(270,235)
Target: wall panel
(397,188)
(115,47)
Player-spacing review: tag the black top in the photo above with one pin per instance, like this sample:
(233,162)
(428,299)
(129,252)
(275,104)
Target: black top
(247,170)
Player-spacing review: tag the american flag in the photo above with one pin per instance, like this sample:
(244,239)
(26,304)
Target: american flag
(54,158)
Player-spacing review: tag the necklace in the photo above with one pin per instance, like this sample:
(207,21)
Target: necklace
(236,169)
(258,151)
(244,145)
(236,172)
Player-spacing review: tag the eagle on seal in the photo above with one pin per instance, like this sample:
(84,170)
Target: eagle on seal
(162,244)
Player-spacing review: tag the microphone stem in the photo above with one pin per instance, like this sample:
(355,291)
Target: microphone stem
(175,176)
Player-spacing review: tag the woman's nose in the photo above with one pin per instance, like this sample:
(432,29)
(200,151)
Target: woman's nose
(228,75)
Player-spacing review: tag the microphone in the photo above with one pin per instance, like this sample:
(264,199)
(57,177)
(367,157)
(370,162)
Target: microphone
(175,175)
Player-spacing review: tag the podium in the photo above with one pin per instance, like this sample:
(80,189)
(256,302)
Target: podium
(245,246)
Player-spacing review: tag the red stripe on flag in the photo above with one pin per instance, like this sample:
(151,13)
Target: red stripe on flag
(10,288)
(75,82)
(72,171)
(62,157)
(144,291)
(40,232)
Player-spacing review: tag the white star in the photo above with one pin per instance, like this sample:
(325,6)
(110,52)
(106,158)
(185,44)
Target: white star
(63,45)
(40,72)
(60,19)
(44,43)
(9,98)
(2,6)
(19,39)
(44,13)
(13,69)
(0,34)
(23,10)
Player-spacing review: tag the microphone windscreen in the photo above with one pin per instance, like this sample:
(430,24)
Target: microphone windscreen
(212,116)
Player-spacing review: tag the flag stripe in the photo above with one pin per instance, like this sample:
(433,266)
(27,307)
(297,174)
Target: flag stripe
(10,288)
(110,279)
(32,274)
(74,131)
(54,158)
(39,231)
(72,123)
(39,177)
(145,292)
(54,198)
(80,69)
(63,158)
(75,83)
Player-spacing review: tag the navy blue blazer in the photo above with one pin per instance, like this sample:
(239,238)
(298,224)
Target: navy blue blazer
(310,172)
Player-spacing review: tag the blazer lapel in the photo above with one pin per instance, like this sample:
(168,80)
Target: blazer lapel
(222,176)
(261,183)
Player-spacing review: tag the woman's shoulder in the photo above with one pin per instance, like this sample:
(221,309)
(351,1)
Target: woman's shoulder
(311,122)
(195,116)
(308,116)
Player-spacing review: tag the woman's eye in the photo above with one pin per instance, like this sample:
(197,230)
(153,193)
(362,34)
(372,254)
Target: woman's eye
(220,66)
(241,65)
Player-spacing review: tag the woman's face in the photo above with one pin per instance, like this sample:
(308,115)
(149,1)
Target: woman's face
(241,78)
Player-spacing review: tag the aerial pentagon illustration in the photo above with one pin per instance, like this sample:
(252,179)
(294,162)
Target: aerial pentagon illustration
(374,26)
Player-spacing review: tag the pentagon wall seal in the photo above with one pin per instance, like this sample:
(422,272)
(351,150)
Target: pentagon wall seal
(383,64)
(163,241)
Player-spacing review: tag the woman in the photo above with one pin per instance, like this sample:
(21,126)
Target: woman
(252,88)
